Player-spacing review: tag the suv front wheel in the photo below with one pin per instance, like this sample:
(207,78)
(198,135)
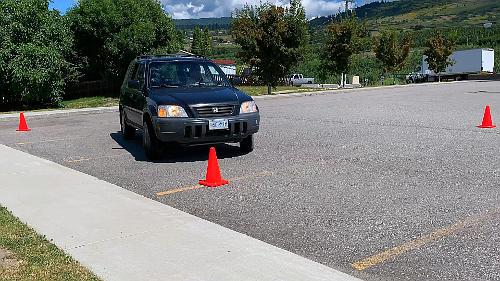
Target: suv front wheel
(152,146)
(246,145)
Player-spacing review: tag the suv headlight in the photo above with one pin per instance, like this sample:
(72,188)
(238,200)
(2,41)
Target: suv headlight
(171,111)
(248,107)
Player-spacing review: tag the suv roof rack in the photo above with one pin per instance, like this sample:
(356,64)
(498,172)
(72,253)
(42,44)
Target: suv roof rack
(170,56)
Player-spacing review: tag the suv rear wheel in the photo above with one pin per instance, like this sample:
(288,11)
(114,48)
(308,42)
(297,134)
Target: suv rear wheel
(128,131)
(246,145)
(152,146)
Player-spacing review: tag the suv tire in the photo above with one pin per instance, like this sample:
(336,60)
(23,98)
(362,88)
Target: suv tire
(152,146)
(247,145)
(128,131)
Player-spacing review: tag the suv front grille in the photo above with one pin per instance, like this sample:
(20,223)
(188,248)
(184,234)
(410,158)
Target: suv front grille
(236,129)
(214,110)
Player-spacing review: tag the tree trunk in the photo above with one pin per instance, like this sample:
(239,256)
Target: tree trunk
(439,78)
(269,92)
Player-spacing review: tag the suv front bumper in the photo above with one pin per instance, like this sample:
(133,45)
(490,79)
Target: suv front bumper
(192,131)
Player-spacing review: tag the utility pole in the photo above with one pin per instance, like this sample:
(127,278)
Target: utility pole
(347,5)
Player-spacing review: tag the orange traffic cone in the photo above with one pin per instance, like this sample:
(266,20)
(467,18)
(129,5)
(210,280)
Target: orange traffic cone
(487,123)
(214,178)
(23,126)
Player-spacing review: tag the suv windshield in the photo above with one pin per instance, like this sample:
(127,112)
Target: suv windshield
(173,74)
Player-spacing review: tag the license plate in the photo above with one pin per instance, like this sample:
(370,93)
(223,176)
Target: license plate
(218,124)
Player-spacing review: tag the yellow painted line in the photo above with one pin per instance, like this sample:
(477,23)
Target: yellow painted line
(421,241)
(90,158)
(32,142)
(177,190)
(198,186)
(54,140)
(78,160)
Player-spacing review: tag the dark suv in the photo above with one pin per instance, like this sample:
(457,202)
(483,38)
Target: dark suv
(185,100)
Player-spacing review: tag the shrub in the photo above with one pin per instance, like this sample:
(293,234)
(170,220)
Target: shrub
(33,44)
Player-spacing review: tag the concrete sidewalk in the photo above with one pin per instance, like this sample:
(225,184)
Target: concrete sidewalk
(121,235)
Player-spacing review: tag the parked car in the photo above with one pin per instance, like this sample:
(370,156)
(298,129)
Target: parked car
(416,77)
(185,100)
(298,79)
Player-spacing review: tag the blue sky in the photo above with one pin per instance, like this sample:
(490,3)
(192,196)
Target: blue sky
(61,5)
(218,8)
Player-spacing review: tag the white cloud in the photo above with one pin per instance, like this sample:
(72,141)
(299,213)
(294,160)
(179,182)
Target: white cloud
(181,9)
(317,8)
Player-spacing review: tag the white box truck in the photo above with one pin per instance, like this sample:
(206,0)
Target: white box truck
(465,62)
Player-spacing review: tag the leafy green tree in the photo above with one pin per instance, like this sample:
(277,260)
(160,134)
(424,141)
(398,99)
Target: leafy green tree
(273,39)
(343,39)
(33,44)
(202,42)
(392,50)
(438,50)
(198,44)
(311,64)
(207,42)
(367,66)
(110,33)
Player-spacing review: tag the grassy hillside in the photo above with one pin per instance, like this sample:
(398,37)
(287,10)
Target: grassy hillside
(418,14)
(444,13)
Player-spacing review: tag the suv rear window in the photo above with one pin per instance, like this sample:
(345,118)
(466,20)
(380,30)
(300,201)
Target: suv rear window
(186,74)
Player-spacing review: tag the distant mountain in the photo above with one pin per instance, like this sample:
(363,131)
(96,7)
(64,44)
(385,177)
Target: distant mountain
(417,14)
(406,14)
(211,23)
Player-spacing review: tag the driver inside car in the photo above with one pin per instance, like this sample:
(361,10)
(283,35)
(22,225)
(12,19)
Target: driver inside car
(194,76)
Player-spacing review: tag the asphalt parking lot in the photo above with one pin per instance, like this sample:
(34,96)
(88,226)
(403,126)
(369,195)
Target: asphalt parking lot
(382,184)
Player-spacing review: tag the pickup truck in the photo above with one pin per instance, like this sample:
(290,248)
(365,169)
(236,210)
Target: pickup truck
(298,79)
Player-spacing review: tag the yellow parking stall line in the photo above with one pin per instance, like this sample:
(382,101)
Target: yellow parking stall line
(44,141)
(92,158)
(194,187)
(32,142)
(172,191)
(423,240)
(78,160)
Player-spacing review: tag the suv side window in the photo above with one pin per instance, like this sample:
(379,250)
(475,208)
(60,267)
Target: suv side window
(132,69)
(210,75)
(140,74)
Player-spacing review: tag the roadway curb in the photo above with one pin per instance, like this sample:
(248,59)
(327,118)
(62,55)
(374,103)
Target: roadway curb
(60,112)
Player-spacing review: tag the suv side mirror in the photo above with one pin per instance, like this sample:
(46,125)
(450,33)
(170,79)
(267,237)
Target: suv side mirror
(134,84)
(235,81)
